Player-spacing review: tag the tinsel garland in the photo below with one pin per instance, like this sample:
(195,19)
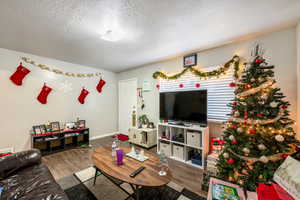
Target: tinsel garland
(57,71)
(235,61)
(273,157)
(261,122)
(265,85)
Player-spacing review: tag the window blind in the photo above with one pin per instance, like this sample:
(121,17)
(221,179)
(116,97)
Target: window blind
(219,94)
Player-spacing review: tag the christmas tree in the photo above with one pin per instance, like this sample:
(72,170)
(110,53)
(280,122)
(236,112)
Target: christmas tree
(259,133)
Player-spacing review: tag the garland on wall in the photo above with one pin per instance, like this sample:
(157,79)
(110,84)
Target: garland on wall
(235,62)
(57,71)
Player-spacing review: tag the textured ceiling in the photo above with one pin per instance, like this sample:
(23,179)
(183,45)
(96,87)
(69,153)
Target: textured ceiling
(150,30)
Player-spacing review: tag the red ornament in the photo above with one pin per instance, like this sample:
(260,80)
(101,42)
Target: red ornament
(157,86)
(82,95)
(230,161)
(42,98)
(234,142)
(19,75)
(181,85)
(259,115)
(284,155)
(245,115)
(197,85)
(233,127)
(252,131)
(259,60)
(100,85)
(234,103)
(247,86)
(284,106)
(232,84)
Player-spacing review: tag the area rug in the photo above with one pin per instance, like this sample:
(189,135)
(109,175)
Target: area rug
(80,186)
(121,137)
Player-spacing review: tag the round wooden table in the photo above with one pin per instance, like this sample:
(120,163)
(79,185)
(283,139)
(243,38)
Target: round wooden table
(149,177)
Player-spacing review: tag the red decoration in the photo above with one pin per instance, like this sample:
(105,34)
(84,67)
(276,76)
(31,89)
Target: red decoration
(230,161)
(284,155)
(247,86)
(245,115)
(234,142)
(100,85)
(272,192)
(19,74)
(197,85)
(284,106)
(234,103)
(157,86)
(259,60)
(233,127)
(252,131)
(259,115)
(82,95)
(216,144)
(232,84)
(42,98)
(181,85)
(5,154)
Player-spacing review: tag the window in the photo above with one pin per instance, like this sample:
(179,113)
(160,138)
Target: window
(219,94)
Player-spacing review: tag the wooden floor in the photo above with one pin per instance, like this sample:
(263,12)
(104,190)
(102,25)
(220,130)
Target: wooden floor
(68,162)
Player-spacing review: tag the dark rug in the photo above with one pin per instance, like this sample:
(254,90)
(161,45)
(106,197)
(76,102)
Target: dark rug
(80,192)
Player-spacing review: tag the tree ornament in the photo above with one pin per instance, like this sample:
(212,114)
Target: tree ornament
(247,86)
(279,138)
(260,177)
(264,159)
(290,133)
(234,103)
(259,114)
(232,84)
(234,142)
(197,85)
(233,127)
(42,97)
(236,113)
(261,147)
(230,178)
(244,171)
(259,61)
(83,95)
(230,161)
(261,102)
(181,85)
(19,75)
(252,130)
(246,150)
(284,106)
(226,155)
(252,80)
(240,130)
(100,85)
(284,156)
(231,137)
(157,86)
(273,104)
(241,182)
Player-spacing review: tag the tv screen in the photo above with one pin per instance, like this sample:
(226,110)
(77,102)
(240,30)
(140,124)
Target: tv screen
(186,106)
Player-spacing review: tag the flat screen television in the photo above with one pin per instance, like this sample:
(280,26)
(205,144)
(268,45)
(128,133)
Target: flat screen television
(184,106)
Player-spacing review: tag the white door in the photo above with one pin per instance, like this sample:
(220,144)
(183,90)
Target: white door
(127,100)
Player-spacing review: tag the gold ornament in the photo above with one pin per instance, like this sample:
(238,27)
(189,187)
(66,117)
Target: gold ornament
(261,147)
(240,130)
(263,159)
(225,155)
(279,138)
(246,150)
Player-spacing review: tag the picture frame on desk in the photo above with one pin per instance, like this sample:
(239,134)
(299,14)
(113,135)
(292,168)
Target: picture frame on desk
(81,123)
(55,126)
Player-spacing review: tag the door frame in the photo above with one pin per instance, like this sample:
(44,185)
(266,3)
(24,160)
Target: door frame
(136,103)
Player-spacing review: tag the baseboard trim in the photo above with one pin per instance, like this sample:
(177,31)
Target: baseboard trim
(102,136)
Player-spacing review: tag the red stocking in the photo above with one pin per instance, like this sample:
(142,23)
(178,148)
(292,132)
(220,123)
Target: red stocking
(42,98)
(82,95)
(19,75)
(100,85)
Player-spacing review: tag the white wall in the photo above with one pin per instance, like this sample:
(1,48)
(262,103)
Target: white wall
(298,73)
(280,51)
(20,110)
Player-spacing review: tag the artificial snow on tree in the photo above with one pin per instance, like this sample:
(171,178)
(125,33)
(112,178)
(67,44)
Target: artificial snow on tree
(259,133)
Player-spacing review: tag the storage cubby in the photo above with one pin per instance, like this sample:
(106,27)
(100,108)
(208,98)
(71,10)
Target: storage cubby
(188,144)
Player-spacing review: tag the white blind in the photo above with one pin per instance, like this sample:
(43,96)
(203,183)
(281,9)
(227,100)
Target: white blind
(219,94)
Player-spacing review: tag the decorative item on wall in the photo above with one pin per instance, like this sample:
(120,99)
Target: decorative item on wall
(57,71)
(235,62)
(146,85)
(100,85)
(19,74)
(190,60)
(42,97)
(141,100)
(83,95)
(259,134)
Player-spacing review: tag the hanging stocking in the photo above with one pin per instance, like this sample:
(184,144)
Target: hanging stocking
(82,95)
(19,75)
(100,85)
(42,98)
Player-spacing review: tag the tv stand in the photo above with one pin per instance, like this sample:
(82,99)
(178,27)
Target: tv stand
(176,123)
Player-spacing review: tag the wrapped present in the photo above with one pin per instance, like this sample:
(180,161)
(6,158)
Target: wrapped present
(272,192)
(216,144)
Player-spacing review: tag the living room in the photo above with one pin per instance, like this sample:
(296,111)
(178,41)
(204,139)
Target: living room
(149,100)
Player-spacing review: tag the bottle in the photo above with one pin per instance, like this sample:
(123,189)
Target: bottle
(113,150)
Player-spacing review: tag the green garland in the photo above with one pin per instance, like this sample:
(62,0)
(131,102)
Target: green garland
(214,73)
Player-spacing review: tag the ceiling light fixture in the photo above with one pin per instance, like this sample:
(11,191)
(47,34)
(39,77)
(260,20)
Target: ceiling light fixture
(111,36)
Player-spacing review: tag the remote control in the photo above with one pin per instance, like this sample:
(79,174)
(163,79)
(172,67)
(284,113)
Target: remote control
(136,172)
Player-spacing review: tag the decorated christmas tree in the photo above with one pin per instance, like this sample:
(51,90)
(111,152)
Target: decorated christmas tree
(259,133)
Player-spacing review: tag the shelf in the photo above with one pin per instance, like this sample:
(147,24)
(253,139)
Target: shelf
(175,158)
(162,139)
(189,162)
(193,146)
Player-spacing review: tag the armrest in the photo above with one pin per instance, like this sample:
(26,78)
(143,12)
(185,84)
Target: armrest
(13,163)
